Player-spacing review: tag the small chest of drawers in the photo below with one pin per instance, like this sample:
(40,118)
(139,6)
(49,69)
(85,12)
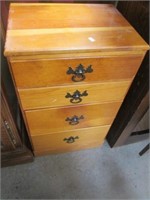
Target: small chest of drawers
(72,65)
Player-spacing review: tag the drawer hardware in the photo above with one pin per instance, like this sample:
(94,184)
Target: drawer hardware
(74,120)
(71,139)
(76,97)
(79,72)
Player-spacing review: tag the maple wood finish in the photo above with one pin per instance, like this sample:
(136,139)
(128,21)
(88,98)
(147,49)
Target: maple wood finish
(50,72)
(55,30)
(83,137)
(44,120)
(56,96)
(70,61)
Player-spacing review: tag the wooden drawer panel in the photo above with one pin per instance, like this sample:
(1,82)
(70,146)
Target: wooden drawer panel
(85,137)
(56,96)
(53,72)
(45,121)
(42,152)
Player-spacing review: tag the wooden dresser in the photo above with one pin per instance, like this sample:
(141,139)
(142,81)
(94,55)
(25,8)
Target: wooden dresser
(72,65)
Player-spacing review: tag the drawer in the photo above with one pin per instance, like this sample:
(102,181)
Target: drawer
(71,140)
(45,121)
(73,95)
(48,72)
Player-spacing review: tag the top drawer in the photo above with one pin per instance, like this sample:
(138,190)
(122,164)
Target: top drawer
(49,72)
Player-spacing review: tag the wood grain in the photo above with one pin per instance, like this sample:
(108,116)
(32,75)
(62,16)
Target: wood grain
(46,121)
(58,15)
(40,42)
(56,96)
(50,72)
(76,55)
(55,142)
(43,152)
(50,28)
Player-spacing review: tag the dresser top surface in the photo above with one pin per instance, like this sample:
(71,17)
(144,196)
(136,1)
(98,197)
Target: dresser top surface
(41,28)
(49,15)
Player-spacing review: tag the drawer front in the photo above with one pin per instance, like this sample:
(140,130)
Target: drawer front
(46,121)
(73,95)
(40,73)
(70,140)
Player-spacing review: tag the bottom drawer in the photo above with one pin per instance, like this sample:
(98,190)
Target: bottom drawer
(69,141)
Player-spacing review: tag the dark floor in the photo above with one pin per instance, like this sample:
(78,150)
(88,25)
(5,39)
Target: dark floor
(101,173)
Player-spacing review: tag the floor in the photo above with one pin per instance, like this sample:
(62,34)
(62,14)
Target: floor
(100,173)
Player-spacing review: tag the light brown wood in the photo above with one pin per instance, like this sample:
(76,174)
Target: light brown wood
(51,15)
(55,142)
(59,28)
(43,40)
(54,72)
(56,96)
(98,40)
(76,55)
(95,144)
(52,120)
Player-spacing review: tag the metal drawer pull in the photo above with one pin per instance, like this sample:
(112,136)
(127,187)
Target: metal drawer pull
(79,72)
(76,97)
(74,120)
(71,139)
